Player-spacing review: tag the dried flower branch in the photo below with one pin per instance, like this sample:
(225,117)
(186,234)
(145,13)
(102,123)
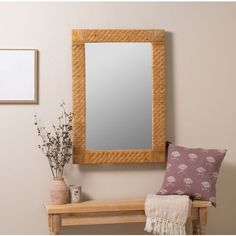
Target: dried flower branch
(57,146)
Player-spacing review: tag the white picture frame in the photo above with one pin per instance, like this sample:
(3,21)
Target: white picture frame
(18,76)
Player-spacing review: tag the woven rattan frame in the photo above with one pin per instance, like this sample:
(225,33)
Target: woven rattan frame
(157,153)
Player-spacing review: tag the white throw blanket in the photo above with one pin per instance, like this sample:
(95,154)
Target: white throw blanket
(167,214)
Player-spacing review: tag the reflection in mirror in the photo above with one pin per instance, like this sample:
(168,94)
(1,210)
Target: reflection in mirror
(118,96)
(18,76)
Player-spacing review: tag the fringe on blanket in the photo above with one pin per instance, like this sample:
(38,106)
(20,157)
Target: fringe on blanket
(167,214)
(163,227)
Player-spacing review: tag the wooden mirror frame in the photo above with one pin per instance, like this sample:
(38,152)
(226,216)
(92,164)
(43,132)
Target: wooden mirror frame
(157,152)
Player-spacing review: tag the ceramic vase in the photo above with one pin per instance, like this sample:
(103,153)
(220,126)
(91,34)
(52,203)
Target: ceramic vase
(58,191)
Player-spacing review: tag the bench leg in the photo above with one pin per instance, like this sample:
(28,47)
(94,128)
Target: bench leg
(196,228)
(202,219)
(54,223)
(199,224)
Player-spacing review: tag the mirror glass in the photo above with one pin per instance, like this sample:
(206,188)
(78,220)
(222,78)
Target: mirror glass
(118,96)
(17,75)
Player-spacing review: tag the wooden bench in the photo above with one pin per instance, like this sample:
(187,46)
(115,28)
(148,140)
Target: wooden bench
(96,212)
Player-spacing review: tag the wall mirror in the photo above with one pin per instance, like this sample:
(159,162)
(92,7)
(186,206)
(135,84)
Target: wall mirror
(18,76)
(118,79)
(118,96)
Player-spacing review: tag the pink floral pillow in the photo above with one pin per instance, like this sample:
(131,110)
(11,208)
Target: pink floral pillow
(192,171)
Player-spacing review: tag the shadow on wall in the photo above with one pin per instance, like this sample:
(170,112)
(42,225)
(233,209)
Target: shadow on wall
(220,218)
(170,92)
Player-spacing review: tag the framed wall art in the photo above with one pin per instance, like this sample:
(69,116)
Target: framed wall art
(18,76)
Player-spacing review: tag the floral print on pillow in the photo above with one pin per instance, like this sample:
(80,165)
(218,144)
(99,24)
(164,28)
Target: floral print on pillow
(192,171)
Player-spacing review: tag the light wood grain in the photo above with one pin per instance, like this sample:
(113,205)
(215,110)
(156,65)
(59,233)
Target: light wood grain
(195,226)
(116,35)
(158,102)
(201,204)
(158,151)
(103,220)
(79,110)
(122,156)
(113,212)
(108,205)
(202,220)
(98,206)
(194,213)
(54,223)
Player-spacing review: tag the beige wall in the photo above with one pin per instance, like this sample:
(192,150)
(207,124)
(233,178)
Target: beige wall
(201,82)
